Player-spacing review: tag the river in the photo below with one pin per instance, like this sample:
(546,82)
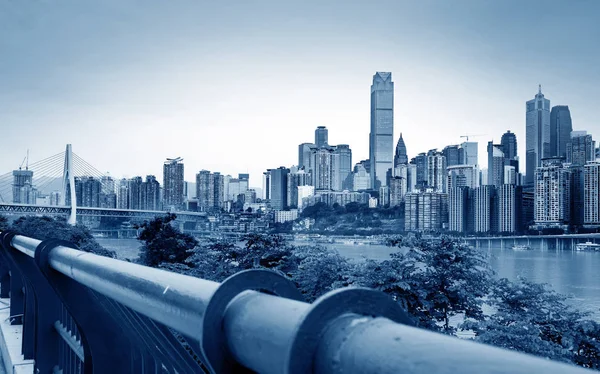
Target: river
(568,272)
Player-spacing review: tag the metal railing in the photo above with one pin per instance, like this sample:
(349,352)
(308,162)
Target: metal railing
(83,313)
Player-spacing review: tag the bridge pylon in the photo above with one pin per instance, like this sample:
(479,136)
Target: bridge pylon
(69,185)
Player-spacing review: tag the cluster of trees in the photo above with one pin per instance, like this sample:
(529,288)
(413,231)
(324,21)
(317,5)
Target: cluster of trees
(43,228)
(437,283)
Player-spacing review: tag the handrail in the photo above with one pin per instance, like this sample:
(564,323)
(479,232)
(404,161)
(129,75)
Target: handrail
(345,331)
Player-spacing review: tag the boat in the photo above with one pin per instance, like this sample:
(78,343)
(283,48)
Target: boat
(588,246)
(521,247)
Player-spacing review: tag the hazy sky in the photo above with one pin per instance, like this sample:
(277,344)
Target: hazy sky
(235,86)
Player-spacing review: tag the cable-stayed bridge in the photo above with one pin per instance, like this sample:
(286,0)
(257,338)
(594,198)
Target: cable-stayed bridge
(46,187)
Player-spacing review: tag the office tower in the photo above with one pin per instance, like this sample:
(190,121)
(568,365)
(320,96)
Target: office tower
(296,178)
(150,194)
(321,137)
(250,196)
(210,191)
(580,148)
(537,134)
(467,153)
(361,178)
(592,193)
(381,146)
(343,167)
(54,198)
(425,211)
(322,169)
(278,194)
(135,193)
(436,171)
(560,130)
(236,187)
(304,152)
(509,208)
(400,158)
(577,194)
(485,210)
(452,154)
(458,208)
(173,196)
(462,176)
(267,185)
(510,175)
(495,164)
(87,192)
(528,208)
(552,193)
(422,176)
(508,145)
(304,192)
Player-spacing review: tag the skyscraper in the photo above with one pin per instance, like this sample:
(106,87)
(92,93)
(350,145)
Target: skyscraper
(508,144)
(173,183)
(296,178)
(495,164)
(467,153)
(580,148)
(509,208)
(421,162)
(400,157)
(321,136)
(343,167)
(436,171)
(560,130)
(322,168)
(278,182)
(23,190)
(150,194)
(451,152)
(592,193)
(381,143)
(361,179)
(552,194)
(304,151)
(485,210)
(537,134)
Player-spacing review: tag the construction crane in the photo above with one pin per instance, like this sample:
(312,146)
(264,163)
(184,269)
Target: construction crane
(471,135)
(23,162)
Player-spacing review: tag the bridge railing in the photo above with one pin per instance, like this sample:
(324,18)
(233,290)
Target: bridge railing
(83,313)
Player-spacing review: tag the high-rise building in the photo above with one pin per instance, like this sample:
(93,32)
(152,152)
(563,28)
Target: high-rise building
(321,137)
(150,194)
(267,185)
(400,157)
(560,130)
(510,208)
(508,144)
(135,193)
(580,148)
(452,154)
(485,209)
(295,179)
(236,187)
(436,171)
(304,192)
(22,187)
(552,194)
(304,152)
(459,209)
(537,135)
(510,175)
(421,163)
(278,182)
(173,196)
(361,178)
(323,162)
(577,195)
(592,193)
(397,190)
(495,164)
(463,176)
(411,177)
(425,211)
(123,194)
(87,192)
(381,143)
(210,191)
(343,167)
(467,153)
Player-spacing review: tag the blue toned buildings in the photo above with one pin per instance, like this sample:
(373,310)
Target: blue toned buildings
(381,143)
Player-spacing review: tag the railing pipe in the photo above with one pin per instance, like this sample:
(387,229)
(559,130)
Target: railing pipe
(357,344)
(25,244)
(175,300)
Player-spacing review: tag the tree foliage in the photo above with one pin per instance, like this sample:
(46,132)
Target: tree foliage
(4,225)
(164,243)
(43,228)
(531,318)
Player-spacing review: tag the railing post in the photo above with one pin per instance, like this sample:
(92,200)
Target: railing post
(4,280)
(106,348)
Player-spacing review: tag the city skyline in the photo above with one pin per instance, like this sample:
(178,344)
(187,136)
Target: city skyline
(148,107)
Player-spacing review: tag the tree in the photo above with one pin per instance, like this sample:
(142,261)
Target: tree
(532,318)
(43,228)
(4,225)
(163,242)
(432,281)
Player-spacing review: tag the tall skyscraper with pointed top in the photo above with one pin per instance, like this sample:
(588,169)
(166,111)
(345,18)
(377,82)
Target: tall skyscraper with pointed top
(381,142)
(400,158)
(537,134)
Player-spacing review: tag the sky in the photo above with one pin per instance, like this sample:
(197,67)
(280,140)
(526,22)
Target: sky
(234,87)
